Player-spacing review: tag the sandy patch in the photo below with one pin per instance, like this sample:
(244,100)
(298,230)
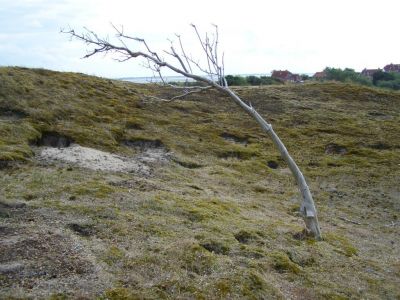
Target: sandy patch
(104,161)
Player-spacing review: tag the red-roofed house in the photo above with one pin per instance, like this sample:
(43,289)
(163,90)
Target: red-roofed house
(286,76)
(392,68)
(320,75)
(369,72)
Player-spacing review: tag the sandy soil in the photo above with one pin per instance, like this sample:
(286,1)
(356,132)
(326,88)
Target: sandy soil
(99,160)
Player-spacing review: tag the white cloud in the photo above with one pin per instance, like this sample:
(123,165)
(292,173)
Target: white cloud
(257,36)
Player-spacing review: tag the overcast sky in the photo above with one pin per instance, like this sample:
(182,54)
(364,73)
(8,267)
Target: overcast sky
(256,36)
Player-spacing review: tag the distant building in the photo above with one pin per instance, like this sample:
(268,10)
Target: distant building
(369,72)
(286,76)
(319,75)
(392,68)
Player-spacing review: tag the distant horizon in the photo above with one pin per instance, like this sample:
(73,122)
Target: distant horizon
(145,79)
(140,79)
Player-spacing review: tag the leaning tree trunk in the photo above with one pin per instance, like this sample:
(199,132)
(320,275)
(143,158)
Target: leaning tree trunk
(215,69)
(307,209)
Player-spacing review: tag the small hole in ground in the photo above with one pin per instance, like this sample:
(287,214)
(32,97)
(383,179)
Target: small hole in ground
(272,164)
(54,139)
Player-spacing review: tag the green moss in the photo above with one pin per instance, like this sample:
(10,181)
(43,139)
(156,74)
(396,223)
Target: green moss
(244,236)
(96,188)
(113,255)
(223,287)
(58,296)
(197,259)
(342,244)
(215,246)
(15,138)
(206,209)
(282,263)
(250,284)
(121,294)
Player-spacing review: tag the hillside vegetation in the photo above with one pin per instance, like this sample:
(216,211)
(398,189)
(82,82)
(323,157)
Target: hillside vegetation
(212,212)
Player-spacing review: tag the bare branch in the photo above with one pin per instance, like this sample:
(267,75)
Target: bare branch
(350,221)
(180,96)
(183,53)
(197,64)
(174,54)
(204,46)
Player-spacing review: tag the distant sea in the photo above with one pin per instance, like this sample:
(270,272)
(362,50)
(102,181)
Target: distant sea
(174,78)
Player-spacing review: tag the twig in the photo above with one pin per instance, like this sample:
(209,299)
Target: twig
(392,224)
(350,221)
(180,96)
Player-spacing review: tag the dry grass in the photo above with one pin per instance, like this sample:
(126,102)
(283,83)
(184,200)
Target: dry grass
(214,222)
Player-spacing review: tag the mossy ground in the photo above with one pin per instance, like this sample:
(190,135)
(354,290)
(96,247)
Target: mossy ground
(216,221)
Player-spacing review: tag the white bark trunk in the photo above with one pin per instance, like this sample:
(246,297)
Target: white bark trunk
(307,208)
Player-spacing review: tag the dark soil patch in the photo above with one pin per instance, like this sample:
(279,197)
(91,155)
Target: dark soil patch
(195,187)
(82,229)
(143,143)
(327,130)
(7,208)
(313,164)
(272,164)
(376,114)
(187,164)
(302,235)
(12,205)
(27,260)
(379,115)
(54,139)
(5,230)
(182,109)
(234,138)
(134,126)
(4,213)
(4,164)
(12,114)
(140,185)
(333,148)
(380,146)
(245,237)
(215,247)
(234,154)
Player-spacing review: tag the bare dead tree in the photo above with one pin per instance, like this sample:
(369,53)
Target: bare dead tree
(212,75)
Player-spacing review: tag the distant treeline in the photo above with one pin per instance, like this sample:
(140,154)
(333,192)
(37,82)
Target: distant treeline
(233,80)
(237,80)
(390,80)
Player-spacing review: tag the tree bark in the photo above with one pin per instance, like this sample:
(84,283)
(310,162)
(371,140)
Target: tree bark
(307,208)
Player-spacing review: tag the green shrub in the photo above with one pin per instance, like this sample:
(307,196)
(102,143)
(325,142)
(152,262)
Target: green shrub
(346,75)
(387,80)
(253,80)
(235,80)
(392,84)
(382,76)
